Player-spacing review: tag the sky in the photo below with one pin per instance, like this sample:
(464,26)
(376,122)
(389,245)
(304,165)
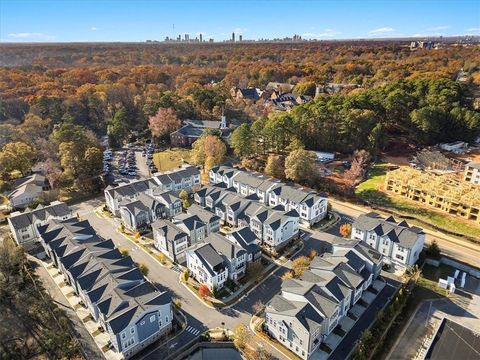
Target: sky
(129,20)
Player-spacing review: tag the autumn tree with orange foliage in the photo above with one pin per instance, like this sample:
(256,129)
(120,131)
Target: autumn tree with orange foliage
(164,122)
(204,291)
(345,230)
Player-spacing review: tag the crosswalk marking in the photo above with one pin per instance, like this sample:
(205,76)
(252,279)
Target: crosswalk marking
(193,331)
(176,268)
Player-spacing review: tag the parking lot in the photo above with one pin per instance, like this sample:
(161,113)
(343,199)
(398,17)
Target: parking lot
(128,163)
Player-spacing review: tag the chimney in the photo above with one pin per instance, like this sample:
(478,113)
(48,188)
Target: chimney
(223,121)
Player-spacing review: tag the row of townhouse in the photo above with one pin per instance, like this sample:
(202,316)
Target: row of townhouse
(129,308)
(221,257)
(400,243)
(24,225)
(147,208)
(274,227)
(311,206)
(308,309)
(184,178)
(185,229)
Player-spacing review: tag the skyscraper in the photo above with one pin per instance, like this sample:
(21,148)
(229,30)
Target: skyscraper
(233,37)
(240,38)
(201,37)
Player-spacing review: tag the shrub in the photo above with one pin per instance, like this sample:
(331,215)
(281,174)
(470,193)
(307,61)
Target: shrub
(143,268)
(124,252)
(345,230)
(204,291)
(186,275)
(300,264)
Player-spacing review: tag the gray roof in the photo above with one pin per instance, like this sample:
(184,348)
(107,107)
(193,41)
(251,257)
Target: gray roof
(171,176)
(171,231)
(224,247)
(209,257)
(24,219)
(132,188)
(475,165)
(204,215)
(246,238)
(111,281)
(34,183)
(190,222)
(400,233)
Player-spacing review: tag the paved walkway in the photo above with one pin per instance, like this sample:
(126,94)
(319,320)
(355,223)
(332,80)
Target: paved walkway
(87,343)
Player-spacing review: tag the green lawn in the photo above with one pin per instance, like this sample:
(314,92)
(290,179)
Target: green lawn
(171,159)
(372,191)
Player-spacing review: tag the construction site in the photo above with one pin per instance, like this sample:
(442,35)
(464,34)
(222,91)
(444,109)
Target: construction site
(442,192)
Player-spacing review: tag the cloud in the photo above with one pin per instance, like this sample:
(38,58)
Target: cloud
(31,36)
(382,30)
(93,28)
(240,30)
(327,33)
(472,31)
(438,28)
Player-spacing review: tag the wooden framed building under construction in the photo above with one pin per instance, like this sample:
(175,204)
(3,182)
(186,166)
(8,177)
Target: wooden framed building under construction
(437,191)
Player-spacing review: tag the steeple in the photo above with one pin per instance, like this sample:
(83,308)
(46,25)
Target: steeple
(223,121)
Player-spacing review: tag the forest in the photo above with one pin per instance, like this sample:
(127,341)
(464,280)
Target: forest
(54,94)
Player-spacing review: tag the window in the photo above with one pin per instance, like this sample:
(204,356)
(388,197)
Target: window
(124,335)
(400,257)
(152,318)
(142,323)
(132,330)
(166,318)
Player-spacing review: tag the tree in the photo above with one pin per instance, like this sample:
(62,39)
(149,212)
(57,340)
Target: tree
(185,200)
(241,336)
(312,254)
(118,128)
(358,169)
(258,307)
(164,122)
(275,166)
(345,230)
(208,151)
(34,128)
(186,275)
(300,264)
(259,354)
(53,171)
(433,250)
(143,268)
(243,141)
(300,165)
(204,291)
(255,269)
(17,156)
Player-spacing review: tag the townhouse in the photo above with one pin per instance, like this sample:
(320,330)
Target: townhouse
(129,308)
(311,206)
(400,243)
(236,254)
(184,178)
(193,226)
(24,225)
(123,193)
(207,266)
(211,220)
(146,208)
(308,309)
(273,227)
(170,239)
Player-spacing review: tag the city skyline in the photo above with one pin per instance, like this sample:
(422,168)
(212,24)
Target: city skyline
(108,20)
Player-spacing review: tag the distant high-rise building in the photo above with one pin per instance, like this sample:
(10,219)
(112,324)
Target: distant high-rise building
(240,38)
(233,37)
(186,37)
(201,38)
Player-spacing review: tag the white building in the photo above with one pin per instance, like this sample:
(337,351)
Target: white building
(311,206)
(207,266)
(308,309)
(24,225)
(27,189)
(399,243)
(472,173)
(170,240)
